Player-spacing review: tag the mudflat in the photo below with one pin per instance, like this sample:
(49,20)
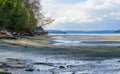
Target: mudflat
(38,55)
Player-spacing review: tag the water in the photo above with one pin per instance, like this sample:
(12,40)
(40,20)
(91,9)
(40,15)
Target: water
(96,34)
(84,40)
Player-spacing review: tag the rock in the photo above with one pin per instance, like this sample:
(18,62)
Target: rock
(42,63)
(19,66)
(70,66)
(118,60)
(38,69)
(5,73)
(74,72)
(16,63)
(61,67)
(4,65)
(29,69)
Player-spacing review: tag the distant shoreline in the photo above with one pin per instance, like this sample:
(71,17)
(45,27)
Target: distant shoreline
(89,34)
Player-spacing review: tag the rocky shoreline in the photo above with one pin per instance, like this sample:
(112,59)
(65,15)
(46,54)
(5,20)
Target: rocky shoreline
(37,56)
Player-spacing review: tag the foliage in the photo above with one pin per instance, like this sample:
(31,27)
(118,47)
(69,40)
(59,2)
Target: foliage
(20,15)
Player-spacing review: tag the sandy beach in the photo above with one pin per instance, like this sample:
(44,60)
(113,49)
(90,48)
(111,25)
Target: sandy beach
(61,55)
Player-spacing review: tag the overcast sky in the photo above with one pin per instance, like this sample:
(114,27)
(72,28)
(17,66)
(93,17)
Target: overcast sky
(83,14)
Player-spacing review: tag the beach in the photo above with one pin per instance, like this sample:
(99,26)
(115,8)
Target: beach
(61,54)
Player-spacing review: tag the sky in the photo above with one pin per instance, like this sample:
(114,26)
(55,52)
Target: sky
(82,14)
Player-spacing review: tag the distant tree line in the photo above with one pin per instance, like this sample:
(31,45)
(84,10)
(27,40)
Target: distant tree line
(21,15)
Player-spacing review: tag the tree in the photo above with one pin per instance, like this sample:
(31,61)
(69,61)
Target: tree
(21,15)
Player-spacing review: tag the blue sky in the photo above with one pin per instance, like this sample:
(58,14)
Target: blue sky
(83,14)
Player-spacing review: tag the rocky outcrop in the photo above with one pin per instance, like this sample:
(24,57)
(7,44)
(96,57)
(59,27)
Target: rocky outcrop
(5,34)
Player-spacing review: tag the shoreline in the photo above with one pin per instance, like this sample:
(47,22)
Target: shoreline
(44,56)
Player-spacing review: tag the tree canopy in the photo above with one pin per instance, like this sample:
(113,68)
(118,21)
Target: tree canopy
(21,15)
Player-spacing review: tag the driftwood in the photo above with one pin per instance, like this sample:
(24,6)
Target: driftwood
(4,34)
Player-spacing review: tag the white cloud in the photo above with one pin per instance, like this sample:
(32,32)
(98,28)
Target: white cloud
(89,11)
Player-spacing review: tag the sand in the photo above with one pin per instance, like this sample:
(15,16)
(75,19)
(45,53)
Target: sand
(113,38)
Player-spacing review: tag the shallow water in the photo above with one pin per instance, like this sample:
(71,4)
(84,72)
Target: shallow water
(83,40)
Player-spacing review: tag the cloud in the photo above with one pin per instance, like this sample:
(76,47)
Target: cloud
(89,11)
